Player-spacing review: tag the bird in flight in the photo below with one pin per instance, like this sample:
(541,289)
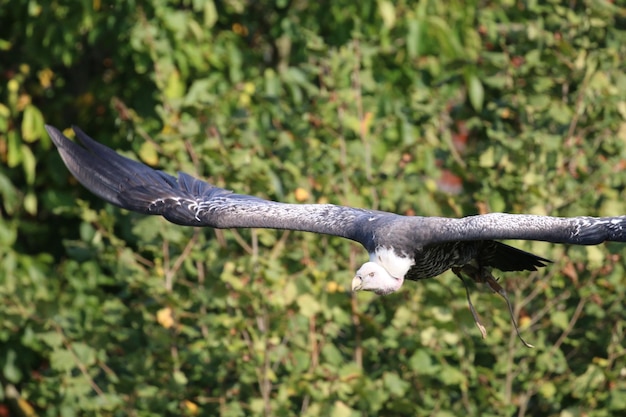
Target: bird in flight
(400,247)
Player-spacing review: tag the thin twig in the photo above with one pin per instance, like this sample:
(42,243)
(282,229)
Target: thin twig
(279,245)
(570,325)
(265,382)
(279,359)
(549,307)
(314,345)
(81,366)
(165,249)
(193,155)
(356,83)
(445,123)
(616,342)
(577,109)
(186,251)
(201,275)
(244,245)
(254,237)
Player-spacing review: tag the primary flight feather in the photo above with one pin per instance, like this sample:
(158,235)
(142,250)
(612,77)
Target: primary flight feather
(399,247)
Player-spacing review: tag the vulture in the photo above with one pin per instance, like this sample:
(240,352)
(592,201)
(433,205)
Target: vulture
(400,247)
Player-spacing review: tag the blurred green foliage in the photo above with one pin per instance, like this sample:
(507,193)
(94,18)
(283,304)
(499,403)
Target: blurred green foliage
(431,108)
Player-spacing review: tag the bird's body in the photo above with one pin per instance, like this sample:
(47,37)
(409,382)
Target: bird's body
(400,247)
(436,259)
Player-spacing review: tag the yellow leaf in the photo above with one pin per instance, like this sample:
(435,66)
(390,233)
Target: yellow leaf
(210,14)
(175,88)
(26,408)
(4,111)
(476,92)
(308,305)
(301,194)
(547,390)
(388,13)
(13,85)
(191,407)
(244,100)
(524,322)
(487,158)
(340,409)
(30,203)
(148,153)
(45,77)
(165,317)
(595,257)
(621,132)
(367,121)
(249,88)
(32,123)
(289,292)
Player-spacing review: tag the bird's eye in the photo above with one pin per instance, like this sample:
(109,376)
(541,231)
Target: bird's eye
(371,274)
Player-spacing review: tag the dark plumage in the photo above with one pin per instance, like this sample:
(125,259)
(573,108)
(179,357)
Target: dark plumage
(435,259)
(400,247)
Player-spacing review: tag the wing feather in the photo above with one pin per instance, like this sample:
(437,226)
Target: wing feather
(582,230)
(189,201)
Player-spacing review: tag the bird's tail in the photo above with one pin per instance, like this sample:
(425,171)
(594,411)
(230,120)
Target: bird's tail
(508,258)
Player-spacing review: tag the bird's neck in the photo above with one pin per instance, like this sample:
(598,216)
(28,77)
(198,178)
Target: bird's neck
(389,284)
(395,265)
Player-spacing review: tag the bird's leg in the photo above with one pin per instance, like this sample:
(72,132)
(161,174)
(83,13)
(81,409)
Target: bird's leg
(482,275)
(487,278)
(483,331)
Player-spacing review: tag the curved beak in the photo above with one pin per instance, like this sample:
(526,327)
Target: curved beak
(357,283)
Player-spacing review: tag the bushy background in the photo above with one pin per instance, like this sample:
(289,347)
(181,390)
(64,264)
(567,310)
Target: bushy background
(438,108)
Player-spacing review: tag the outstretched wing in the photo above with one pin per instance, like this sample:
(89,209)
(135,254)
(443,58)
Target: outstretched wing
(192,202)
(189,201)
(499,226)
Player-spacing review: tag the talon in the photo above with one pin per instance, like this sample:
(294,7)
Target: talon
(497,288)
(482,275)
(483,330)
